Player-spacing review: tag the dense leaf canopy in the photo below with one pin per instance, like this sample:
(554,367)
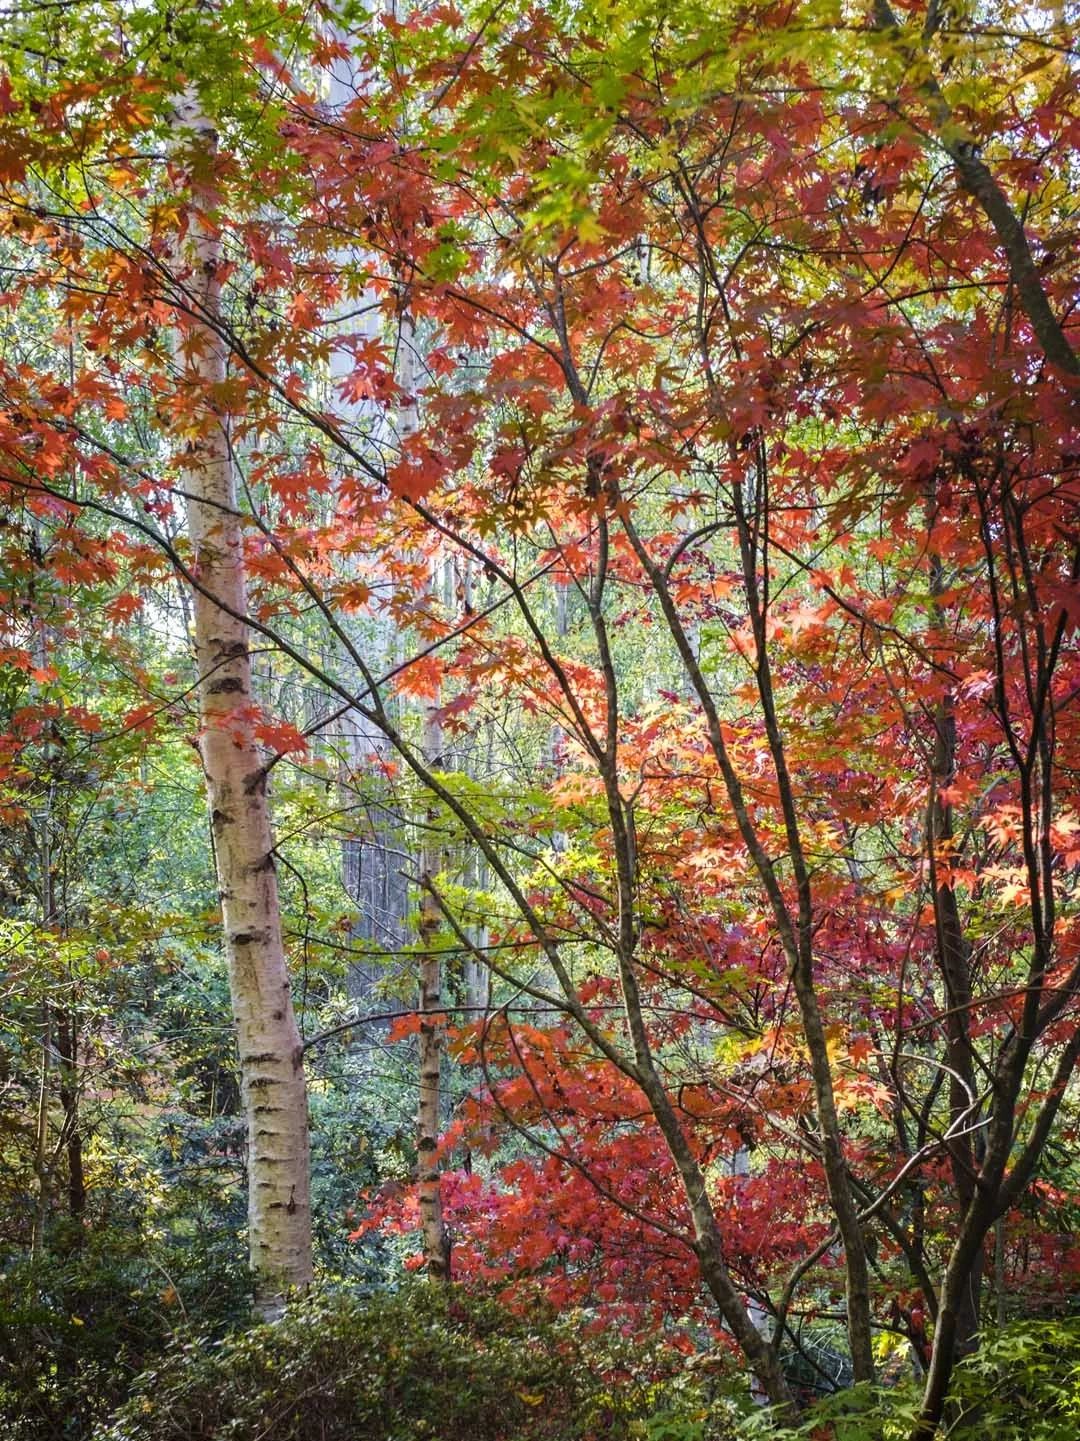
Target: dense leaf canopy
(637,446)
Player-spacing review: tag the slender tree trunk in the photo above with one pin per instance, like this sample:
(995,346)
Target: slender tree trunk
(67,1051)
(436,1242)
(476,979)
(979,181)
(41,1139)
(953,1315)
(953,964)
(759,1352)
(42,1167)
(992,1191)
(271,1057)
(796,933)
(372,864)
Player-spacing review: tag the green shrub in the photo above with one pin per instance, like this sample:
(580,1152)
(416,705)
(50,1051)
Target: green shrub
(77,1327)
(421,1363)
(1023,1384)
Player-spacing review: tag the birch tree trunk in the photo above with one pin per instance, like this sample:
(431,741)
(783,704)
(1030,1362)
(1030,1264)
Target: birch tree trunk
(431,1038)
(271,1057)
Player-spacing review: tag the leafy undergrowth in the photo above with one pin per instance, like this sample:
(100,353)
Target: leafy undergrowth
(426,1365)
(77,1327)
(420,1364)
(1023,1384)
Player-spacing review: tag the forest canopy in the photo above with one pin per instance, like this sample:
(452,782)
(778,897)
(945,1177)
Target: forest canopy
(539,762)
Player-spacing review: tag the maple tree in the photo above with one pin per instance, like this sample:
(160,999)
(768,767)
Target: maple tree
(744,433)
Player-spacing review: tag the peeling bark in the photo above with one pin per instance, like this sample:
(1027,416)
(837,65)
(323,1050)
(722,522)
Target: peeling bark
(271,1057)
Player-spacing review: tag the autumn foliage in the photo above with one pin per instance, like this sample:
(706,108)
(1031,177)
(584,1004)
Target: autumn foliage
(746,443)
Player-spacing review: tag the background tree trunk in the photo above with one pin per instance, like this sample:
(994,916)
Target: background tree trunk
(431,1037)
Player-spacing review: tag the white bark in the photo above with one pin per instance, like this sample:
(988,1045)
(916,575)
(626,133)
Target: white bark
(271,1056)
(436,1242)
